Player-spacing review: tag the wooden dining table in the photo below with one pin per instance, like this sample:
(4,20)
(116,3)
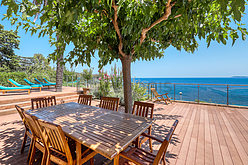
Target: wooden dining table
(105,131)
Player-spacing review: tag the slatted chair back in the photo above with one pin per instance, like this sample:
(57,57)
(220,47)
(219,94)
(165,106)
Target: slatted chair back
(32,125)
(55,139)
(85,99)
(143,109)
(26,132)
(111,103)
(153,90)
(20,111)
(42,102)
(163,148)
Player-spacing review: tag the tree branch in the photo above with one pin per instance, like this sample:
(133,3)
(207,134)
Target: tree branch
(115,23)
(179,15)
(167,13)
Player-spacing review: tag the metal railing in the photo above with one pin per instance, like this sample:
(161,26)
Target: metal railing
(227,94)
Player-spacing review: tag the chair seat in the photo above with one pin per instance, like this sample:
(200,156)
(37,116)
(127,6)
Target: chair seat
(138,155)
(14,88)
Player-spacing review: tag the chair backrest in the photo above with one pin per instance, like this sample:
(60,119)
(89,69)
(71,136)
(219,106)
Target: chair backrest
(13,82)
(111,103)
(38,81)
(42,102)
(28,82)
(85,99)
(143,109)
(55,139)
(163,148)
(153,90)
(45,80)
(30,121)
(20,111)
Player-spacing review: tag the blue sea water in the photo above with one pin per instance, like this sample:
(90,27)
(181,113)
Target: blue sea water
(237,95)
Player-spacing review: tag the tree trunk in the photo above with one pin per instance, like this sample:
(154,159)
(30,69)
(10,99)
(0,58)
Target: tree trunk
(59,74)
(126,70)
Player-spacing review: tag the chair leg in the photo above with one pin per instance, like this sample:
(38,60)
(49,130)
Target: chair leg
(150,140)
(150,144)
(48,160)
(163,159)
(44,158)
(30,149)
(24,141)
(92,161)
(31,161)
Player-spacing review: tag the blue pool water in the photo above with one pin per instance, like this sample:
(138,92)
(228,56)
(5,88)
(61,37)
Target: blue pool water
(237,95)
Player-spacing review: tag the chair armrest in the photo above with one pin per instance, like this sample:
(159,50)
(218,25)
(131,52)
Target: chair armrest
(152,137)
(164,94)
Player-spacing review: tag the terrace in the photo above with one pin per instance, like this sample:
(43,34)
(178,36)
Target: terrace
(206,134)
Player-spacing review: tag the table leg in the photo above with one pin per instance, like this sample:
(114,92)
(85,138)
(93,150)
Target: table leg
(78,152)
(116,160)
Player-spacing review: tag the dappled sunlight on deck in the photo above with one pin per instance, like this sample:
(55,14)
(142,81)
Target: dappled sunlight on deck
(205,134)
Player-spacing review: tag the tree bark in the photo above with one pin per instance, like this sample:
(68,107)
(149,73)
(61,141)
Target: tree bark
(126,71)
(59,74)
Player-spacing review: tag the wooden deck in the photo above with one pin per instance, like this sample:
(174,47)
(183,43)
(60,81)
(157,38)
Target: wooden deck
(205,135)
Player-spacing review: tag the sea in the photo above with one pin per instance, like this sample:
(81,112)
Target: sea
(233,90)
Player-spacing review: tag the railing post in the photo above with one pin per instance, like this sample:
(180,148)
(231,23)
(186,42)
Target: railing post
(174,91)
(198,94)
(227,95)
(148,91)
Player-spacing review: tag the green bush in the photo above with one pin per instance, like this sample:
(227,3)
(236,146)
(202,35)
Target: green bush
(138,92)
(17,76)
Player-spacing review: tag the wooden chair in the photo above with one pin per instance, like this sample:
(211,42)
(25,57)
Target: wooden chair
(27,131)
(159,97)
(42,102)
(111,103)
(57,145)
(37,141)
(85,99)
(145,110)
(143,157)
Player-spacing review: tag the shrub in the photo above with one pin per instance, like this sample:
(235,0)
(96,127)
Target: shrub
(17,76)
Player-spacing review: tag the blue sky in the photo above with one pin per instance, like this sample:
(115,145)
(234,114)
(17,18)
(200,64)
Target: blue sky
(216,61)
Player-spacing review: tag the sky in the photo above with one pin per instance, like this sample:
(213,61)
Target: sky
(218,60)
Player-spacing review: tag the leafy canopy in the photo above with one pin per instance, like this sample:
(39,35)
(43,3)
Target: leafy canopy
(142,29)
(9,40)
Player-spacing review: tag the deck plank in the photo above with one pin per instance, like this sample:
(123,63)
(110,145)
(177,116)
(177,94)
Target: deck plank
(191,155)
(208,142)
(226,156)
(229,142)
(200,151)
(236,139)
(217,156)
(181,131)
